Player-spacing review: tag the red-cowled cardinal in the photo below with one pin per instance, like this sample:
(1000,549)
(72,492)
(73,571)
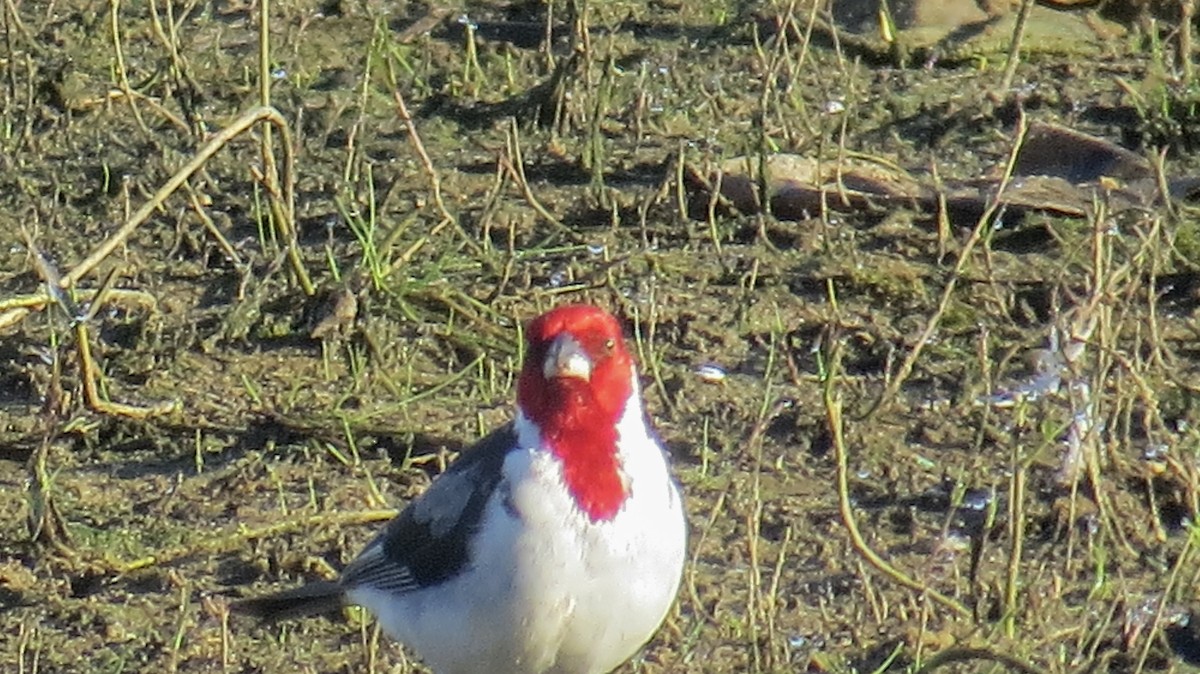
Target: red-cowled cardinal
(555,544)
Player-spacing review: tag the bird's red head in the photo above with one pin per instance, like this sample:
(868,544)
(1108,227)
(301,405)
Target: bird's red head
(575,384)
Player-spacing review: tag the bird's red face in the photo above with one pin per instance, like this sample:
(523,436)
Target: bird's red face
(575,383)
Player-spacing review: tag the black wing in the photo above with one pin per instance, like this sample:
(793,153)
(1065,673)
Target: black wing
(428,541)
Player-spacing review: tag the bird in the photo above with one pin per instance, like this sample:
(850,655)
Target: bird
(554,545)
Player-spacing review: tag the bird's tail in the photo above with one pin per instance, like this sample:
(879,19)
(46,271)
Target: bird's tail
(311,599)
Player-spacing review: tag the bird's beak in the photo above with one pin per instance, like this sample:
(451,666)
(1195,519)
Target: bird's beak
(566,358)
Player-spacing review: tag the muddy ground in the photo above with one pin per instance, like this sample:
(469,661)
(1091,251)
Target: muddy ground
(909,437)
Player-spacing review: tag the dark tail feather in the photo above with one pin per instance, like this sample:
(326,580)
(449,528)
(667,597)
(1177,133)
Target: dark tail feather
(306,600)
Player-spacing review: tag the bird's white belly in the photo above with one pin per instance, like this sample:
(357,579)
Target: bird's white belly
(549,591)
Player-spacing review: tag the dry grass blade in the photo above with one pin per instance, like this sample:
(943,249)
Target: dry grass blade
(952,656)
(233,540)
(964,258)
(219,140)
(90,372)
(1014,48)
(833,412)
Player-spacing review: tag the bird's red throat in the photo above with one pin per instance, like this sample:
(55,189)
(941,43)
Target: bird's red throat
(580,427)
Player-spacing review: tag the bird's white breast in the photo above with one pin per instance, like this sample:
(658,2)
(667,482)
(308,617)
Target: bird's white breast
(549,590)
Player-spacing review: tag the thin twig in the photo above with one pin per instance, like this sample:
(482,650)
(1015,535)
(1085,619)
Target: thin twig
(238,539)
(114,7)
(956,655)
(833,414)
(1014,46)
(964,256)
(515,163)
(239,126)
(435,180)
(89,372)
(282,205)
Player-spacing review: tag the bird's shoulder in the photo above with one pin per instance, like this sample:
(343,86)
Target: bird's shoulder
(428,542)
